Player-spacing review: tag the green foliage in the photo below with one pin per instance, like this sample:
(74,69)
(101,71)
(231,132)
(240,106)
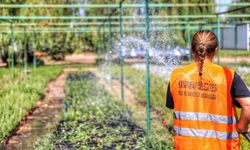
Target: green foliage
(158,90)
(89,41)
(158,93)
(234,53)
(95,120)
(100,61)
(137,80)
(243,11)
(246,78)
(44,143)
(152,143)
(18,95)
(60,47)
(181,35)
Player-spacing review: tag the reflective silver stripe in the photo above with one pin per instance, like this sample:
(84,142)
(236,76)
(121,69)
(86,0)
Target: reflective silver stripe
(205,133)
(205,117)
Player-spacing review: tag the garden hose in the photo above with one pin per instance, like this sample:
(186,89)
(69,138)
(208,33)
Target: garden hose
(247,136)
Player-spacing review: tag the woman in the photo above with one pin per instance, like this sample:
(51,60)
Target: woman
(203,96)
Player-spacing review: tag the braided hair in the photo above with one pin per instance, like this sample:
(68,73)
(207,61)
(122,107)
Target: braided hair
(203,44)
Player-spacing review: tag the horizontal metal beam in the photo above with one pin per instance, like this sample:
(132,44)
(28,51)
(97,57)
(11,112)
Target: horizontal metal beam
(166,5)
(138,27)
(92,31)
(233,10)
(101,23)
(117,23)
(117,17)
(141,29)
(92,17)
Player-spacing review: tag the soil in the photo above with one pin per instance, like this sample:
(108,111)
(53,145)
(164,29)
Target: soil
(105,127)
(234,59)
(45,115)
(42,119)
(130,136)
(86,58)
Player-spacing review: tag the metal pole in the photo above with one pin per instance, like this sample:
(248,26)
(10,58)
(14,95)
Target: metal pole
(99,49)
(26,45)
(110,49)
(156,39)
(219,37)
(147,68)
(3,47)
(189,40)
(2,50)
(103,38)
(121,51)
(35,47)
(12,52)
(188,36)
(235,42)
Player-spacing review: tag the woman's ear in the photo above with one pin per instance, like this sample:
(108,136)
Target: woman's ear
(215,52)
(217,49)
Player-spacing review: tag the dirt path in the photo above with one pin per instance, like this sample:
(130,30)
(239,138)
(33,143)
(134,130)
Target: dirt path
(235,59)
(138,109)
(86,58)
(43,118)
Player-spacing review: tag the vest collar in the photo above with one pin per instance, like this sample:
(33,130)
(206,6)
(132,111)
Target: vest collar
(206,62)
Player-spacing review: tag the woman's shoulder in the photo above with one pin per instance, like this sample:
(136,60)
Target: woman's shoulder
(221,68)
(184,67)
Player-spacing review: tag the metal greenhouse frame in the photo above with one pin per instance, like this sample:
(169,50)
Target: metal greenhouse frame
(116,24)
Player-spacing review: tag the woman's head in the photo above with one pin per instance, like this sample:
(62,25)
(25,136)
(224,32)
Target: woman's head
(204,44)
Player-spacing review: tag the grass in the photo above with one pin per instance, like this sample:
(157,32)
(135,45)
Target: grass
(92,117)
(158,91)
(44,143)
(18,95)
(246,78)
(95,120)
(234,53)
(244,143)
(161,126)
(158,88)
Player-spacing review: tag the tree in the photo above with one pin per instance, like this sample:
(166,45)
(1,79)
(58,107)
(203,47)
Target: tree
(199,10)
(243,11)
(89,41)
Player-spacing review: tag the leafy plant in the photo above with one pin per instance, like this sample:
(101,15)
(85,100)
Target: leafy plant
(95,120)
(158,92)
(17,96)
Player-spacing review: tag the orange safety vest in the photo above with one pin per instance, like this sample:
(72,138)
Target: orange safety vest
(204,114)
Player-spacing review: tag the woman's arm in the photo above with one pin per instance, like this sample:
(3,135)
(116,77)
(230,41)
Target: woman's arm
(245,114)
(169,99)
